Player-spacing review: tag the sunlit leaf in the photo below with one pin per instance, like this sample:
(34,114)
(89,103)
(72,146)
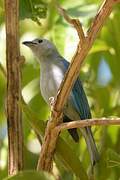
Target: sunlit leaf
(99,46)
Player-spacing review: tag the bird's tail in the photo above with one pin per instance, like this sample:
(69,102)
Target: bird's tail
(73,132)
(94,155)
(87,133)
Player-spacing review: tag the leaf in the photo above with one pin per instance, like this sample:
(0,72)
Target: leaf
(24,175)
(33,9)
(83,10)
(1,15)
(70,160)
(31,89)
(113,159)
(29,72)
(99,46)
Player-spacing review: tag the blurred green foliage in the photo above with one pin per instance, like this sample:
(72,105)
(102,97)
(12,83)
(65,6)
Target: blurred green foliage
(33,9)
(31,175)
(100,75)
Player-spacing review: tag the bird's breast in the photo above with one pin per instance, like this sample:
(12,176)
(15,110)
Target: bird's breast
(50,81)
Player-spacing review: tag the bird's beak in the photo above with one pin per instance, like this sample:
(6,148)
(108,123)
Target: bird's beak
(28,43)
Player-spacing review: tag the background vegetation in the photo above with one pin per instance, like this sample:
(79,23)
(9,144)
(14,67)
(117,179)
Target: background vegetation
(100,75)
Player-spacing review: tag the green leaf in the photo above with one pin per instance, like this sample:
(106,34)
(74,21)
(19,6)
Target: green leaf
(99,46)
(1,15)
(33,9)
(113,159)
(24,175)
(83,10)
(31,89)
(69,159)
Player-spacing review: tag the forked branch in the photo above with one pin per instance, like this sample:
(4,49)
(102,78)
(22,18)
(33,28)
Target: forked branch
(50,139)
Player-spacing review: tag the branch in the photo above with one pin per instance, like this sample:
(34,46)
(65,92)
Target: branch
(48,147)
(81,54)
(75,22)
(14,115)
(88,122)
(100,19)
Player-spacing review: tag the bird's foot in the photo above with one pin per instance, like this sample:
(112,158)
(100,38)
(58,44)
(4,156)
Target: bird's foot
(52,101)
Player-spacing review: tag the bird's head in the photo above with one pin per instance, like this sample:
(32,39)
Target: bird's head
(41,48)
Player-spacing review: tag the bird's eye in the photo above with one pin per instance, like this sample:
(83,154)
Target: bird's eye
(40,41)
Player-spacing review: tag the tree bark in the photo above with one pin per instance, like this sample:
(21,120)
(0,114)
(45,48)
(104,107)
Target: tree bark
(14,117)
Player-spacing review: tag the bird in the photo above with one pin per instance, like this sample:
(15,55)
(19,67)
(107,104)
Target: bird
(52,70)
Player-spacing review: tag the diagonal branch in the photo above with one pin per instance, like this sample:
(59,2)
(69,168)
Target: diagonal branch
(50,140)
(81,53)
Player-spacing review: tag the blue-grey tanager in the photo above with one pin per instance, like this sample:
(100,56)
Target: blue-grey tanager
(52,69)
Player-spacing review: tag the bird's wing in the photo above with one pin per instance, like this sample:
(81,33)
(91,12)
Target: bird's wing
(79,98)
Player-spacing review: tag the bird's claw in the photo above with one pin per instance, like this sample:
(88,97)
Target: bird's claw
(52,101)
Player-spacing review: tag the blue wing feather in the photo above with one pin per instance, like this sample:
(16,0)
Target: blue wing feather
(79,98)
(80,102)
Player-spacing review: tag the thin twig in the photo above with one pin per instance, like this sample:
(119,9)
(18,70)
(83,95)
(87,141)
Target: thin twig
(88,122)
(75,22)
(48,147)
